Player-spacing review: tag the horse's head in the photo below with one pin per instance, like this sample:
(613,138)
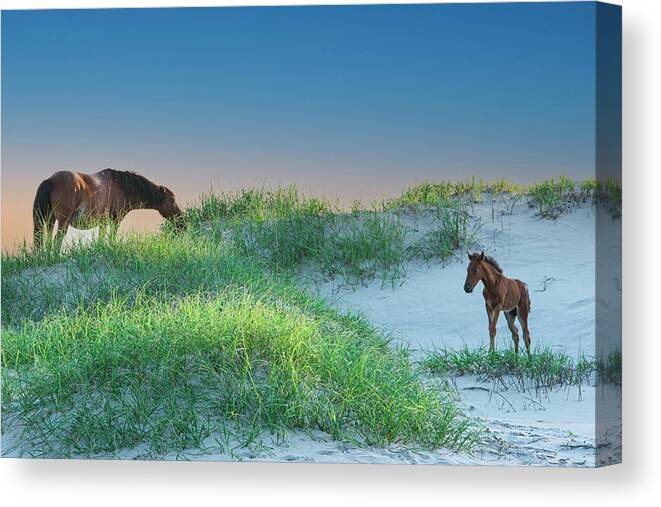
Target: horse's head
(475,271)
(168,208)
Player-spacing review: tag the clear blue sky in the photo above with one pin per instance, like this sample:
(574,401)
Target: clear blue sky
(354,101)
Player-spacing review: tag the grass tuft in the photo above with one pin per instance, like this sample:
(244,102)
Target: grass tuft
(439,193)
(546,368)
(609,368)
(554,197)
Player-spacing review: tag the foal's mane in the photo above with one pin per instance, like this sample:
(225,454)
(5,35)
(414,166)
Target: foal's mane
(136,187)
(490,260)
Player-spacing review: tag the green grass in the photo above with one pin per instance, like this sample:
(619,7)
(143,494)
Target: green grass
(453,231)
(257,204)
(550,198)
(439,193)
(610,195)
(289,231)
(38,283)
(166,340)
(609,368)
(554,197)
(170,374)
(545,368)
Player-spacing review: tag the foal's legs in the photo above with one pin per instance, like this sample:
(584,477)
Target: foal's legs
(493,320)
(511,323)
(486,306)
(522,313)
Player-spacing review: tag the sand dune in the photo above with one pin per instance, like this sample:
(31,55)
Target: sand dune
(548,427)
(429,310)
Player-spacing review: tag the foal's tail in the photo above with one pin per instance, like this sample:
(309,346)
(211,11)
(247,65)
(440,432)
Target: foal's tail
(525,286)
(42,213)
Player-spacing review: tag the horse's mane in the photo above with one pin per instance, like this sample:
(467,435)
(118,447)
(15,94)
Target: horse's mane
(490,260)
(136,187)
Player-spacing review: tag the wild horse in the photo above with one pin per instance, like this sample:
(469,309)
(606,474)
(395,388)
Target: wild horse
(74,198)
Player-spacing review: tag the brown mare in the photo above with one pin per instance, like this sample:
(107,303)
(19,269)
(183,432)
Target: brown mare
(74,198)
(500,294)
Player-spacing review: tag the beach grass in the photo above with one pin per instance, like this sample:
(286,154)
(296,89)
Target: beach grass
(163,341)
(439,193)
(290,231)
(550,198)
(545,367)
(609,368)
(553,197)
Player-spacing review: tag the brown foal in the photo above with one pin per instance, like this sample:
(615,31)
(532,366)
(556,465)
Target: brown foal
(500,294)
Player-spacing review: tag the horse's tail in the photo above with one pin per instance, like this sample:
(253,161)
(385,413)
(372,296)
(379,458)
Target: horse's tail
(42,213)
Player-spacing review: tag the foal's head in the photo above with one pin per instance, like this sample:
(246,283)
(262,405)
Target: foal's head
(477,266)
(475,271)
